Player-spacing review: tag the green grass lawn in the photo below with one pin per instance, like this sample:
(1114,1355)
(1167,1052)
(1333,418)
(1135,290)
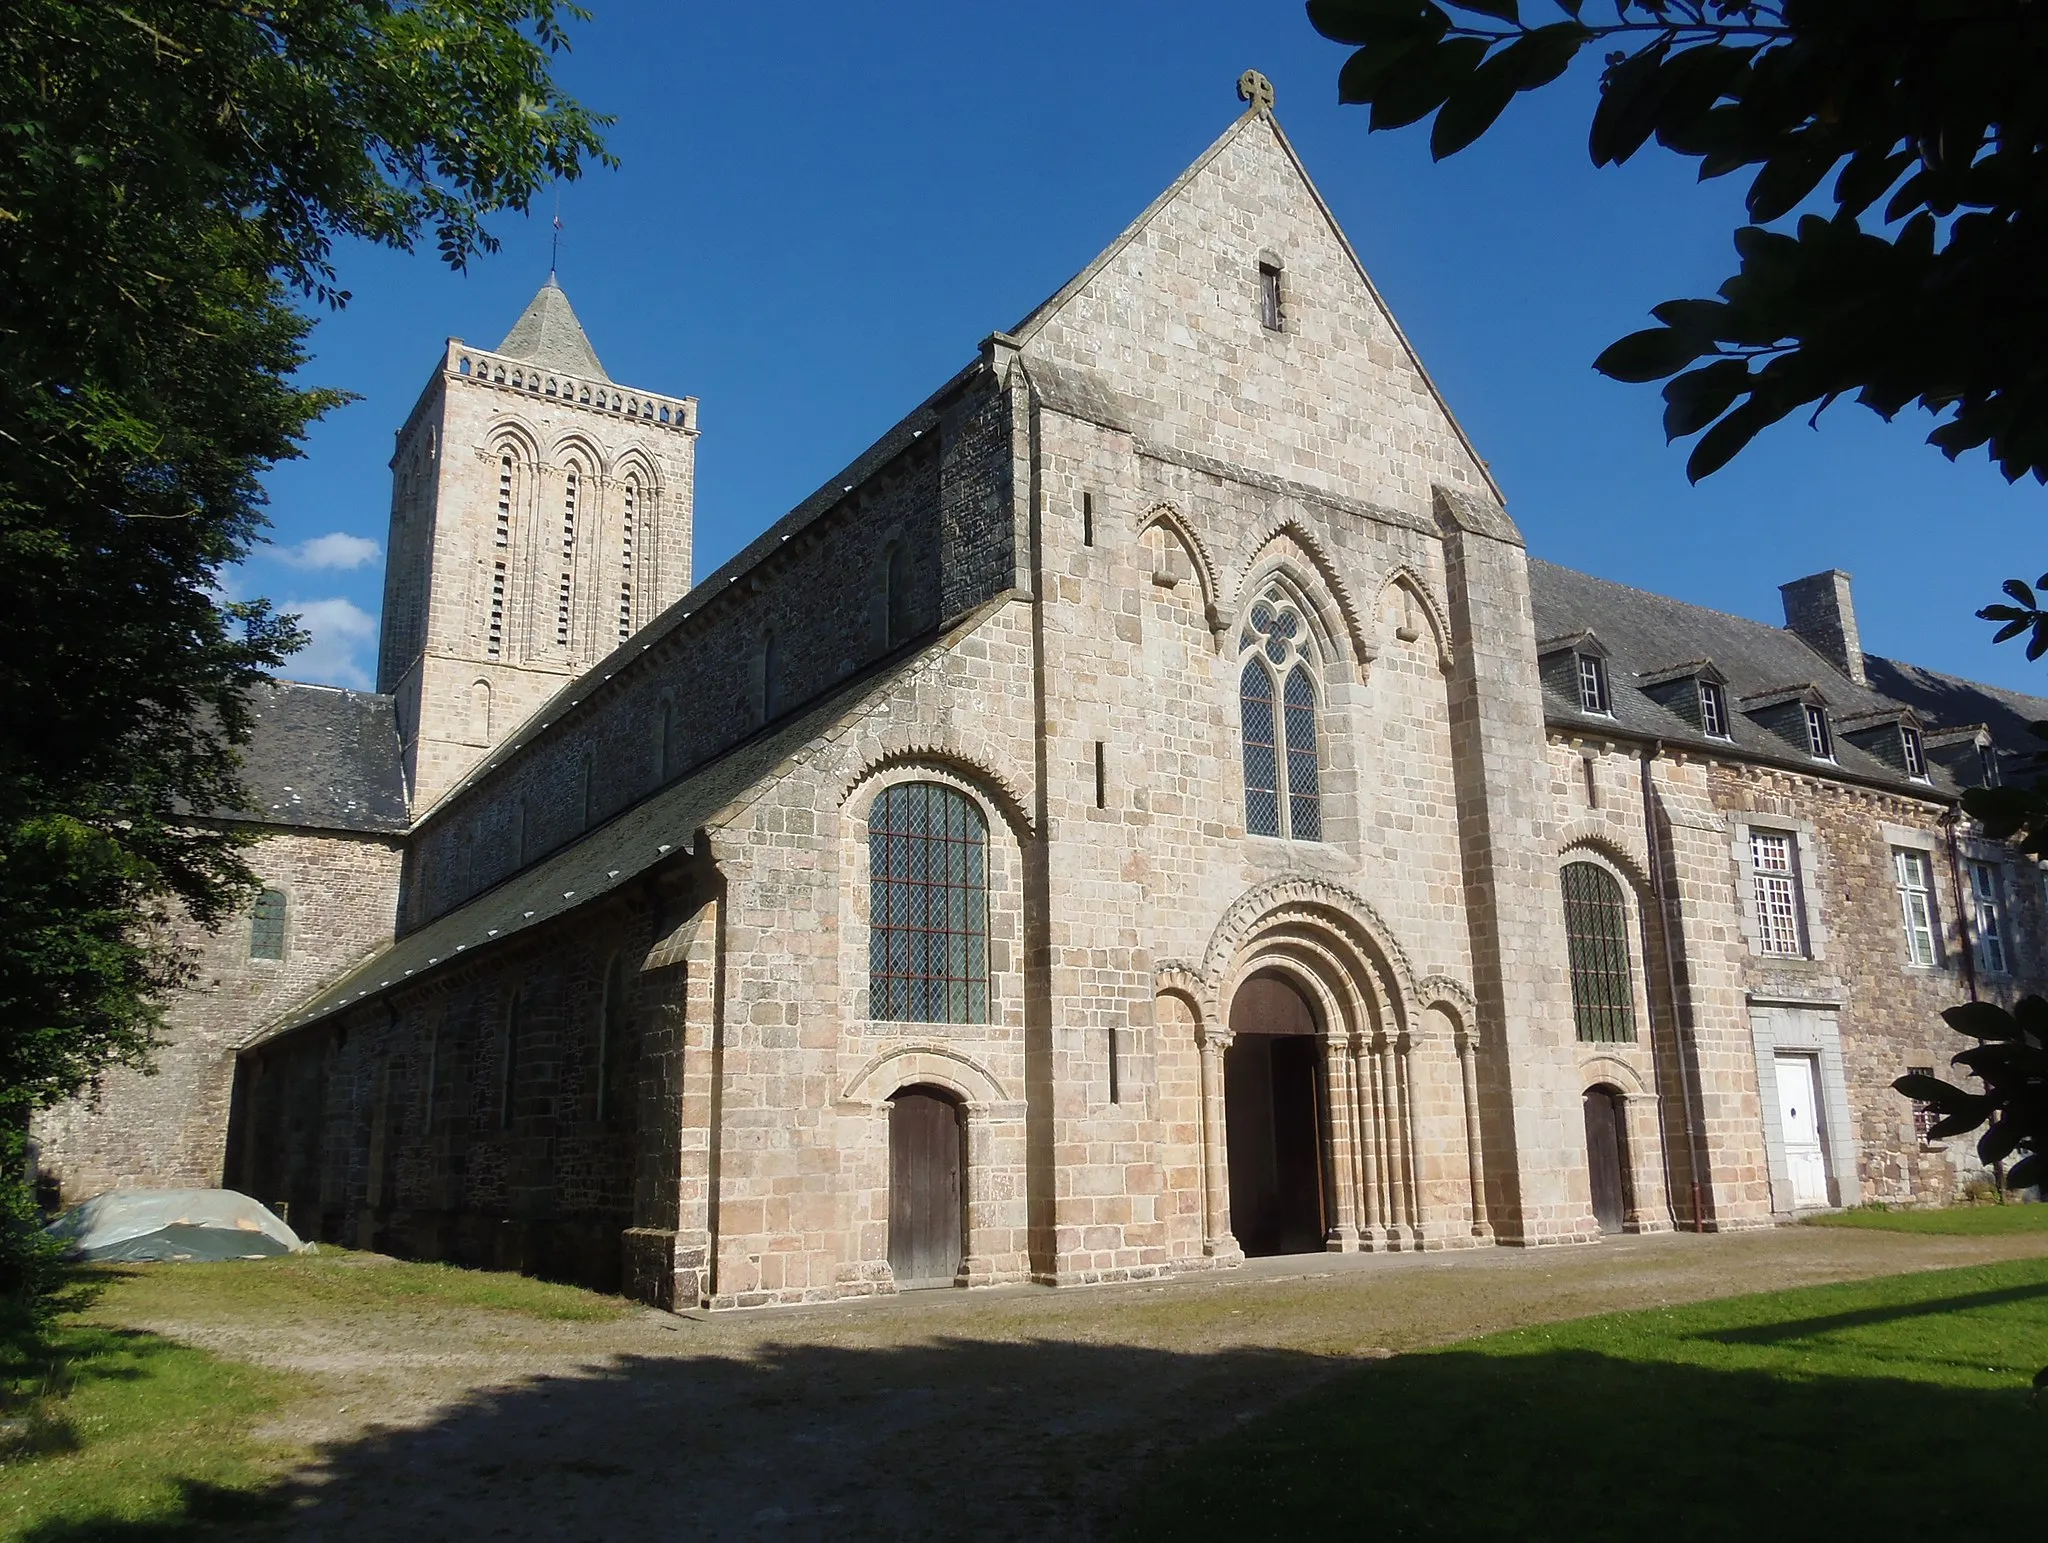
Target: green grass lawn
(114,1432)
(1974,1221)
(1891,1408)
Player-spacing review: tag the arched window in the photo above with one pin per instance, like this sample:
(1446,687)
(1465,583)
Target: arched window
(480,712)
(1277,710)
(1596,942)
(665,742)
(767,677)
(896,596)
(611,1031)
(509,1089)
(927,906)
(266,926)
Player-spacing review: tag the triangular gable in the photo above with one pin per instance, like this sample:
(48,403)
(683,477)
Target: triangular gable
(1047,317)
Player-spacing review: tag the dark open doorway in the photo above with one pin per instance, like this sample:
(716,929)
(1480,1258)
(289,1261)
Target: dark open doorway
(925,1202)
(1272,1086)
(1606,1158)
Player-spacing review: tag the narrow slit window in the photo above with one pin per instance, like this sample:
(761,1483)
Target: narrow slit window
(1087,519)
(572,486)
(562,613)
(1101,775)
(1271,315)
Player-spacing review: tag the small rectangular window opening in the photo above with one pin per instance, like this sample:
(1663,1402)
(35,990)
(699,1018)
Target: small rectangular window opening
(1101,775)
(1713,710)
(1087,519)
(1775,891)
(1818,739)
(1915,751)
(1271,317)
(1925,1116)
(1593,684)
(1115,1070)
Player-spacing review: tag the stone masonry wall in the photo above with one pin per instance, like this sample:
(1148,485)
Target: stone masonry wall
(170,1129)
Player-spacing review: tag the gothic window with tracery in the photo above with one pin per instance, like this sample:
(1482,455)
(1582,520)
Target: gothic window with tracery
(1277,708)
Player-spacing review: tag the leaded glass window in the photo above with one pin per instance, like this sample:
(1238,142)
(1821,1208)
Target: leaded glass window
(928,906)
(1277,712)
(266,926)
(1596,943)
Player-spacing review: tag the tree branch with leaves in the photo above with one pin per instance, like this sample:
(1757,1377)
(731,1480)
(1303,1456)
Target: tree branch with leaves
(1909,137)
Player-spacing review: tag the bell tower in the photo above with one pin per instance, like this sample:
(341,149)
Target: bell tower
(540,516)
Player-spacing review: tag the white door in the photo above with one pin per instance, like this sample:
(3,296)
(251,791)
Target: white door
(1799,1114)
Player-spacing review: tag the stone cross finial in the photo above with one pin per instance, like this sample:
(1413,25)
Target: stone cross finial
(1256,91)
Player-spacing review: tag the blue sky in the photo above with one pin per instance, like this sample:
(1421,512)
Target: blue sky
(822,210)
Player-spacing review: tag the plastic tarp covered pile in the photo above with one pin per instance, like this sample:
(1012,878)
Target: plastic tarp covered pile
(150,1224)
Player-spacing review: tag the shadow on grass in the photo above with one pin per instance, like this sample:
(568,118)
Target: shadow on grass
(1056,1438)
(1578,1445)
(1809,1328)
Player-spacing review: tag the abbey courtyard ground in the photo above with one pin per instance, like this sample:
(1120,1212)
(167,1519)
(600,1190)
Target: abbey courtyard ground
(350,1396)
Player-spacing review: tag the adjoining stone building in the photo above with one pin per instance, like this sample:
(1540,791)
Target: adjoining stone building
(1147,809)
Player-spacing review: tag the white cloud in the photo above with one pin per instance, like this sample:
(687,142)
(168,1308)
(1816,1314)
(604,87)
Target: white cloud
(340,630)
(337,549)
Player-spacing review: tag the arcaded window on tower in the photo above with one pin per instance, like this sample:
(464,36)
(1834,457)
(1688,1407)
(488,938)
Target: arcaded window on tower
(927,906)
(629,519)
(1277,696)
(1596,944)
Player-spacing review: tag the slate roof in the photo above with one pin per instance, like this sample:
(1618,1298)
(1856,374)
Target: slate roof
(548,334)
(1950,702)
(656,831)
(1647,636)
(323,757)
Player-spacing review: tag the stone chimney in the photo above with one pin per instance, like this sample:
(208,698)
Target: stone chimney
(1819,610)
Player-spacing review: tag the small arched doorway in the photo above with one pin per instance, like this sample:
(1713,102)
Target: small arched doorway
(1273,1112)
(926,1141)
(1607,1157)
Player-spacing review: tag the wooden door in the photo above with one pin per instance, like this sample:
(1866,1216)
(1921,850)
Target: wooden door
(1799,1114)
(924,1188)
(1603,1159)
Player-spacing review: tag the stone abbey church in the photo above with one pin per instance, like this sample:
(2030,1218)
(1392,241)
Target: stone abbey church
(1148,810)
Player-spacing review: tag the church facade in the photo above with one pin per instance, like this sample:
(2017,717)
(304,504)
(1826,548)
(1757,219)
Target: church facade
(1149,809)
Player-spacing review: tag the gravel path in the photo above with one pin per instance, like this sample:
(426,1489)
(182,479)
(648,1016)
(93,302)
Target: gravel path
(1016,1412)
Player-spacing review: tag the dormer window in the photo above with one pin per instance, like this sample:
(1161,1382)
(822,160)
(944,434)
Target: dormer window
(1914,752)
(1987,763)
(1713,710)
(1819,740)
(1593,695)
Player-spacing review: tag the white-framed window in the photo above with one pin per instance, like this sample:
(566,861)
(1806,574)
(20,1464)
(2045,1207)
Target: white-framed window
(1713,709)
(1987,914)
(1819,738)
(1277,698)
(1914,751)
(1774,863)
(1914,877)
(1593,695)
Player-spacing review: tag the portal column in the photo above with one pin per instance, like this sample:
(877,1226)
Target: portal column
(1217,1241)
(1475,1159)
(1342,1235)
